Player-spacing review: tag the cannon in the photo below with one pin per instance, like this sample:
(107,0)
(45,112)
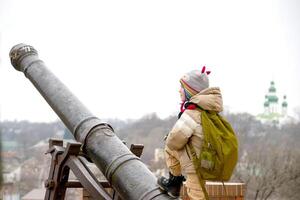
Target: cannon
(125,172)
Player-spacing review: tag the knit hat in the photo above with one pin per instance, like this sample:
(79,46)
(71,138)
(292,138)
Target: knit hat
(195,81)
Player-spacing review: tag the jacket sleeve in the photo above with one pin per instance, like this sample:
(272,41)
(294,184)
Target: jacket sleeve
(181,132)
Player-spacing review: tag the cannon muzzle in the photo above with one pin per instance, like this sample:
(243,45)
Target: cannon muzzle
(126,173)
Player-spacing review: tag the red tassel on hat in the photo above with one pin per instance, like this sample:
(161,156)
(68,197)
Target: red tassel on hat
(203,69)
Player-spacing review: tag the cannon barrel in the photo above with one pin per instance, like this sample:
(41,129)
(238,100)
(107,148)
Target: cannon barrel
(126,173)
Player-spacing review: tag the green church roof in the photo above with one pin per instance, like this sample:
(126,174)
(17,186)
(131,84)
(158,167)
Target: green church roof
(284,103)
(266,104)
(273,98)
(272,88)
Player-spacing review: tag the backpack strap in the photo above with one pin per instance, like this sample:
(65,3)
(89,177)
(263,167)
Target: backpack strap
(198,169)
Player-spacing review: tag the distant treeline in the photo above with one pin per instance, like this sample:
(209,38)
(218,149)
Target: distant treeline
(269,156)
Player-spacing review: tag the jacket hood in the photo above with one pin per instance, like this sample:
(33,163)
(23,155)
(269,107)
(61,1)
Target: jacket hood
(209,99)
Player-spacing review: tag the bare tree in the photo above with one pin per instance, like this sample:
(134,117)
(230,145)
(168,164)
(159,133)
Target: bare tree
(269,166)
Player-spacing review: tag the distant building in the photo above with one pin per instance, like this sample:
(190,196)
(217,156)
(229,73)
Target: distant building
(35,194)
(274,112)
(159,164)
(10,190)
(159,155)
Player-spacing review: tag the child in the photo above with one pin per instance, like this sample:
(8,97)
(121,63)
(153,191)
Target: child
(195,94)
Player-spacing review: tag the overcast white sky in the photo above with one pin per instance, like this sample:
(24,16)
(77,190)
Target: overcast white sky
(124,58)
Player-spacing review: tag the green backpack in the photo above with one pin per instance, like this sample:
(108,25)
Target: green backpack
(219,151)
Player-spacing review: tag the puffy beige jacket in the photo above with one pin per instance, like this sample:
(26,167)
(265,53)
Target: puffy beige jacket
(189,129)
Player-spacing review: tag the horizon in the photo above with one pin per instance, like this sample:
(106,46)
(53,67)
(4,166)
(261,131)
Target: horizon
(130,120)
